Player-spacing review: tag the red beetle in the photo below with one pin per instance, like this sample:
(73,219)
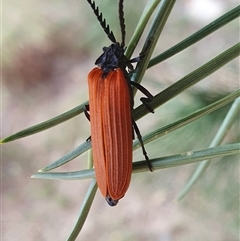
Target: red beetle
(111,105)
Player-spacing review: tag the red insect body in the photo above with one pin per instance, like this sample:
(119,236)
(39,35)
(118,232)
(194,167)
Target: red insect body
(111,104)
(111,131)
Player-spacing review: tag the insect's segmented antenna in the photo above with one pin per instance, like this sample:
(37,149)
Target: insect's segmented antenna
(102,21)
(122,20)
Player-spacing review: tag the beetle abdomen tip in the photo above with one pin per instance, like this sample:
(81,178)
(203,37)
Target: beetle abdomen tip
(111,202)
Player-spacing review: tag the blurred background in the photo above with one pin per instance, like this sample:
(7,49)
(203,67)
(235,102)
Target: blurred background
(48,49)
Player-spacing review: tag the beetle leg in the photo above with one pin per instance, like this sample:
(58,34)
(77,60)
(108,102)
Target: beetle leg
(86,109)
(142,145)
(145,100)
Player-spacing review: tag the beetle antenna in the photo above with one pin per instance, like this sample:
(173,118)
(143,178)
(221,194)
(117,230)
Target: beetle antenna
(122,22)
(102,21)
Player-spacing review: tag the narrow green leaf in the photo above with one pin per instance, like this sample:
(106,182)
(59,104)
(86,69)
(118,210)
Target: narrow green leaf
(202,33)
(157,163)
(189,80)
(188,157)
(147,12)
(68,157)
(76,175)
(46,124)
(86,205)
(90,159)
(162,14)
(223,130)
(188,119)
